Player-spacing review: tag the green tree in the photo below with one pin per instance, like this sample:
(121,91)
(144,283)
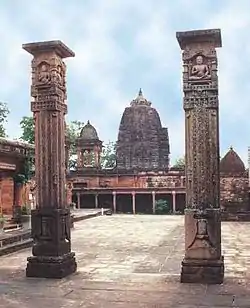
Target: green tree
(162,207)
(28,129)
(4,111)
(73,130)
(108,155)
(180,163)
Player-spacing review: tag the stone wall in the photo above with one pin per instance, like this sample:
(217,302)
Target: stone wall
(7,195)
(234,193)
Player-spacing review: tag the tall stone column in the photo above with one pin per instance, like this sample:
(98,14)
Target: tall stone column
(52,256)
(203,262)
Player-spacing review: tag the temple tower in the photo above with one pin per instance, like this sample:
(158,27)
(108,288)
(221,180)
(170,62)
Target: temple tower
(52,256)
(203,262)
(143,143)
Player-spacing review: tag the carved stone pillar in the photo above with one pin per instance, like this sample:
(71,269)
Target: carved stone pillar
(133,203)
(203,262)
(78,200)
(153,201)
(114,201)
(174,201)
(52,256)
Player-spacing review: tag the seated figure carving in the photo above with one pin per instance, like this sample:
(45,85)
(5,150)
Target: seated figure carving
(200,71)
(44,75)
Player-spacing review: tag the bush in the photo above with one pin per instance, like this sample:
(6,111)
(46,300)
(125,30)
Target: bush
(25,210)
(162,207)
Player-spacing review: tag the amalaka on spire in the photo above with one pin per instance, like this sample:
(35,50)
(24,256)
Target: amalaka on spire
(140,100)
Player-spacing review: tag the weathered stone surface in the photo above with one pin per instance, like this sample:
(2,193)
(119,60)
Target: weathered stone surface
(143,143)
(52,255)
(203,262)
(138,266)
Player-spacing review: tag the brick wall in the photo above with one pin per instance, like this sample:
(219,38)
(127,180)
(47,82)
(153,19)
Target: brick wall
(7,195)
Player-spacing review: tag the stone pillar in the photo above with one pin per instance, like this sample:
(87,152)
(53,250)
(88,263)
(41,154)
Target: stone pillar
(133,202)
(17,207)
(174,201)
(96,201)
(203,262)
(153,201)
(114,201)
(52,256)
(78,200)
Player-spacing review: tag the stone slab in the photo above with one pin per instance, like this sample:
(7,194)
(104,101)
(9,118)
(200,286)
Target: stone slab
(111,252)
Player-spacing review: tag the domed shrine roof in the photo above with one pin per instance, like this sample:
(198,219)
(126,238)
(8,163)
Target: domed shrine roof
(232,163)
(88,132)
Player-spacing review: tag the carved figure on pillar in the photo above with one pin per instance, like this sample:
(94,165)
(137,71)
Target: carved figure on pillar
(52,256)
(203,262)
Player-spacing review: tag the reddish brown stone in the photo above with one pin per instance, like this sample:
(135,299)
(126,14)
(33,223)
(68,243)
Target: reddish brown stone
(52,256)
(203,262)
(142,143)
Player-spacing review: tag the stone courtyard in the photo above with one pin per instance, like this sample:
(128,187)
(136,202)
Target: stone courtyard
(131,261)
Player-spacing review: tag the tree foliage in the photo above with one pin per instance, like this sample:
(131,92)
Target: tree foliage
(180,163)
(162,207)
(73,129)
(28,129)
(4,111)
(108,156)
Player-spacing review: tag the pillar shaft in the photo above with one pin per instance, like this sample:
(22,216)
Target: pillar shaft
(133,203)
(52,256)
(96,201)
(174,201)
(114,202)
(78,200)
(203,262)
(153,201)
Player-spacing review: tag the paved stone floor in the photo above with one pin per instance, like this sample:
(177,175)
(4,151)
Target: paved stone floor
(131,261)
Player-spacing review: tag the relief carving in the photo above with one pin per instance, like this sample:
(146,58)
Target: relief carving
(200,70)
(43,73)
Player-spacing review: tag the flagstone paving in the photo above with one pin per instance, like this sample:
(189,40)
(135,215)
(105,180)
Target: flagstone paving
(131,261)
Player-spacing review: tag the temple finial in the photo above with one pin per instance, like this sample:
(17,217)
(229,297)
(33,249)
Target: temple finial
(231,147)
(88,122)
(140,92)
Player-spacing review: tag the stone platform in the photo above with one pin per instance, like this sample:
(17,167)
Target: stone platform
(131,261)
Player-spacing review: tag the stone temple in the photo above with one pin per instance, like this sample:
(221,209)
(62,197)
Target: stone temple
(143,174)
(143,143)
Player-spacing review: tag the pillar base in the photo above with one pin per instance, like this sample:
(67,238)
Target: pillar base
(51,267)
(202,271)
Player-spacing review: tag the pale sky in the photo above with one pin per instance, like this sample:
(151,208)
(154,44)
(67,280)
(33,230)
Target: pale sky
(120,46)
